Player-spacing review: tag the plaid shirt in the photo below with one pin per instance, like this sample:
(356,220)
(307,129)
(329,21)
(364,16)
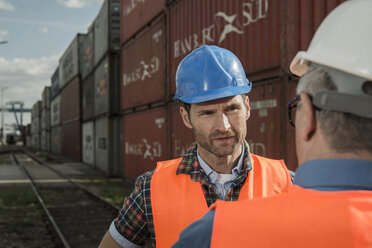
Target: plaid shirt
(135,219)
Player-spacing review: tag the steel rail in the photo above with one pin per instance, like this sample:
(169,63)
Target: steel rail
(50,217)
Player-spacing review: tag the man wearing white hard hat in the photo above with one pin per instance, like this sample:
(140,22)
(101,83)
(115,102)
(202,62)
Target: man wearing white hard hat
(211,89)
(330,204)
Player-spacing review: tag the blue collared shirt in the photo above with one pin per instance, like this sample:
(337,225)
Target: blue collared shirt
(322,175)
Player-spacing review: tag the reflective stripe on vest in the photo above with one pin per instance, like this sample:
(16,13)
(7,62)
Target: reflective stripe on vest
(302,218)
(177,201)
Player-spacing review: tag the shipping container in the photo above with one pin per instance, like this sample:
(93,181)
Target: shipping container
(181,137)
(36,109)
(56,140)
(144,141)
(35,125)
(143,71)
(29,141)
(264,34)
(54,89)
(88,142)
(107,30)
(45,120)
(70,101)
(45,141)
(86,53)
(268,132)
(69,63)
(87,104)
(36,141)
(107,86)
(115,144)
(45,103)
(71,140)
(55,111)
(102,144)
(134,15)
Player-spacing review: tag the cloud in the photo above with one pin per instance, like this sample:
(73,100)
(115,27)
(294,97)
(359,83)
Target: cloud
(44,30)
(3,34)
(6,6)
(78,3)
(25,79)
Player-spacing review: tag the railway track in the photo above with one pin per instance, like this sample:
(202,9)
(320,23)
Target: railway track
(77,216)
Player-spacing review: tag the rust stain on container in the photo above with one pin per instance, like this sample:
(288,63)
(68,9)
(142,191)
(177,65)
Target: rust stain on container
(136,14)
(70,101)
(181,137)
(143,67)
(71,140)
(144,141)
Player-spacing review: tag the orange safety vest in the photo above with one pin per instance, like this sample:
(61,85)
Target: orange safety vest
(177,201)
(302,218)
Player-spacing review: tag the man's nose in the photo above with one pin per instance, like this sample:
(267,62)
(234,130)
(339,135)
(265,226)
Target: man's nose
(223,123)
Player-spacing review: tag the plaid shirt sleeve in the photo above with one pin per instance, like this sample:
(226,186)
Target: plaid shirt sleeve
(131,222)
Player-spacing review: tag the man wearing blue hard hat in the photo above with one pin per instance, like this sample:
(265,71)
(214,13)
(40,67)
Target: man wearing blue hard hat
(330,203)
(211,88)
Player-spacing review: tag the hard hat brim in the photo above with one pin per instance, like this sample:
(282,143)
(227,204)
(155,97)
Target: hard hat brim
(216,94)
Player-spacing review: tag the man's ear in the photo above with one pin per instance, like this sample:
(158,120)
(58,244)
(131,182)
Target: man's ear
(185,117)
(246,102)
(307,122)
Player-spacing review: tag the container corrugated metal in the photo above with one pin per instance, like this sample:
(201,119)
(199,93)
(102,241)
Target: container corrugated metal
(56,140)
(69,63)
(36,109)
(45,104)
(102,144)
(143,60)
(86,54)
(264,34)
(45,120)
(54,89)
(115,144)
(107,86)
(88,142)
(35,125)
(71,140)
(268,131)
(88,96)
(181,136)
(136,14)
(45,141)
(107,29)
(36,141)
(144,141)
(29,141)
(70,101)
(55,111)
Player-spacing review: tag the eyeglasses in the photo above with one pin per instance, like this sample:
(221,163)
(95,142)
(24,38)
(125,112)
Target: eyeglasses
(291,105)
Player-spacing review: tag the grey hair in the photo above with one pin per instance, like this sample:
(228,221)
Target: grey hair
(344,132)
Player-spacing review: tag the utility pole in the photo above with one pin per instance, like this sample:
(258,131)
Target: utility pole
(2,114)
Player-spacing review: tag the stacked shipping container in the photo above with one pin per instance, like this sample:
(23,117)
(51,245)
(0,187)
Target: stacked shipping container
(125,110)
(35,124)
(45,144)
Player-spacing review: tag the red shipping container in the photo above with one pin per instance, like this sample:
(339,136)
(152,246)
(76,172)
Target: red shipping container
(70,101)
(264,34)
(181,137)
(144,141)
(136,14)
(143,79)
(71,140)
(268,132)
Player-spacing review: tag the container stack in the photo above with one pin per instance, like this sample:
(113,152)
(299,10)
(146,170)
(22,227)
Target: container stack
(55,114)
(35,125)
(45,139)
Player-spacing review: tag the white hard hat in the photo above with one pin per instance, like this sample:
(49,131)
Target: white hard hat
(343,41)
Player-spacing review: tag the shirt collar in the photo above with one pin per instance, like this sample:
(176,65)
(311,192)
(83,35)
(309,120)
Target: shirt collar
(209,171)
(189,164)
(335,174)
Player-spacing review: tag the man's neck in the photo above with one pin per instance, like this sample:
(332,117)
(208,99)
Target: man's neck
(222,165)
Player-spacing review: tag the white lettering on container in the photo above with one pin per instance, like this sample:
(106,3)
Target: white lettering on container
(143,71)
(146,150)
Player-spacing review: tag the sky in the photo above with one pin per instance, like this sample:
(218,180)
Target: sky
(37,33)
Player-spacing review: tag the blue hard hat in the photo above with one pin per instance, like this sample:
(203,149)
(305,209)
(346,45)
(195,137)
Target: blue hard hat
(208,73)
